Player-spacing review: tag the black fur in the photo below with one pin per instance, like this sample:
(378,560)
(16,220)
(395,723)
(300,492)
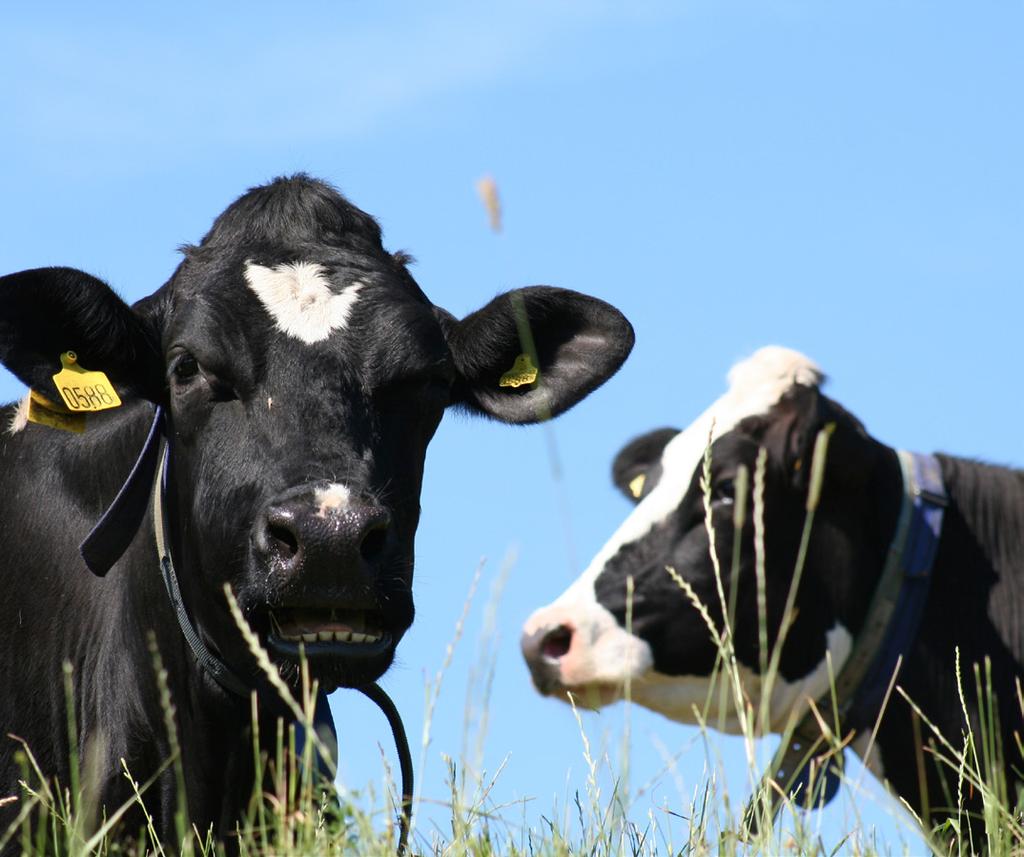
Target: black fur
(257,422)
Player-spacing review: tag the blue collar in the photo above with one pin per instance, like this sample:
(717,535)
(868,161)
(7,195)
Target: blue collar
(803,764)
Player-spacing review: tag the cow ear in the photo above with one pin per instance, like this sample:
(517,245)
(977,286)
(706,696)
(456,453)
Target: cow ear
(46,312)
(637,467)
(532,353)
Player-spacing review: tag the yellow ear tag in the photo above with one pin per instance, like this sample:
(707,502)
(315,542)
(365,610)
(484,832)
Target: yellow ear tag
(44,412)
(522,372)
(84,391)
(636,485)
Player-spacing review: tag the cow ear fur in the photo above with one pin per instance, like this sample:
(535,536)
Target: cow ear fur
(578,343)
(47,311)
(632,466)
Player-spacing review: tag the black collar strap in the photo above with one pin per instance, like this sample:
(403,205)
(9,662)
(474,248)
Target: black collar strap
(114,531)
(803,765)
(116,528)
(220,671)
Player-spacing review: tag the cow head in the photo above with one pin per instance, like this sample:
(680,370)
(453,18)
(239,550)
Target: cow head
(303,373)
(580,642)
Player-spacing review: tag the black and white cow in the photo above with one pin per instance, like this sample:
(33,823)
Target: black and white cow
(579,643)
(301,373)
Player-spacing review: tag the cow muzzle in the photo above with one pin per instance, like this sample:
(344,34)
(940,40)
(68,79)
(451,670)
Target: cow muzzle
(578,648)
(325,555)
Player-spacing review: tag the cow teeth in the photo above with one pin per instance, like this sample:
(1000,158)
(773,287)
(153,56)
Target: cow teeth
(331,637)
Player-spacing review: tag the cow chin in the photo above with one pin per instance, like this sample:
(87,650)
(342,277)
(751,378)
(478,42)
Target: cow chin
(343,641)
(331,665)
(593,696)
(342,623)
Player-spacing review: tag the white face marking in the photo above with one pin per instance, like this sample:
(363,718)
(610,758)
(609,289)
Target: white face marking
(334,498)
(300,299)
(602,652)
(19,419)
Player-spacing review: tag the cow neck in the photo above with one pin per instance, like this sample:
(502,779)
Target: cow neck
(232,683)
(110,538)
(207,660)
(802,764)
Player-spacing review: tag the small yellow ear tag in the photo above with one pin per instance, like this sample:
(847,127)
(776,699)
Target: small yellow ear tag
(636,485)
(522,372)
(84,391)
(44,412)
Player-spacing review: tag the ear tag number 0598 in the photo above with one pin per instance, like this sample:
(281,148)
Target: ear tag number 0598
(81,390)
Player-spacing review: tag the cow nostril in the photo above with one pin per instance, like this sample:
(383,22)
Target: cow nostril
(556,643)
(373,543)
(287,541)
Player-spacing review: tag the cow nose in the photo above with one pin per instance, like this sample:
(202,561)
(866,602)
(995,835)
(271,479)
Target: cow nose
(549,645)
(543,650)
(302,533)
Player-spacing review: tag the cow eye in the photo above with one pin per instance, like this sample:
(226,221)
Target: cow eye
(185,368)
(723,492)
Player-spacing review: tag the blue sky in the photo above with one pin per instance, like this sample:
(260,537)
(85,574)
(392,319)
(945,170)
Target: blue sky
(845,179)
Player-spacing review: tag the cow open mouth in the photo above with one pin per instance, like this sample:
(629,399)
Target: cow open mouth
(327,631)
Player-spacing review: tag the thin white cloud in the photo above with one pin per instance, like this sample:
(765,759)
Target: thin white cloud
(133,86)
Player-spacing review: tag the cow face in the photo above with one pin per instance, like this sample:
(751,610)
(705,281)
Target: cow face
(594,639)
(304,373)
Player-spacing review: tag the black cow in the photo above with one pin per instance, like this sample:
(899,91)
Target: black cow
(300,373)
(849,602)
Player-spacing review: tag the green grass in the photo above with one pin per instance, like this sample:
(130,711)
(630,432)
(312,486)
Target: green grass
(602,813)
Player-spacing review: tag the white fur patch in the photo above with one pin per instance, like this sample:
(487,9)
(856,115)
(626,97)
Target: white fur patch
(300,299)
(19,419)
(332,499)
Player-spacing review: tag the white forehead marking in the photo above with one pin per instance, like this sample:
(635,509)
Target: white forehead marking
(299,297)
(19,419)
(755,386)
(333,498)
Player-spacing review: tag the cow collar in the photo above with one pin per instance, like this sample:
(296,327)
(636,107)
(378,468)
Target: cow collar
(802,764)
(207,660)
(113,533)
